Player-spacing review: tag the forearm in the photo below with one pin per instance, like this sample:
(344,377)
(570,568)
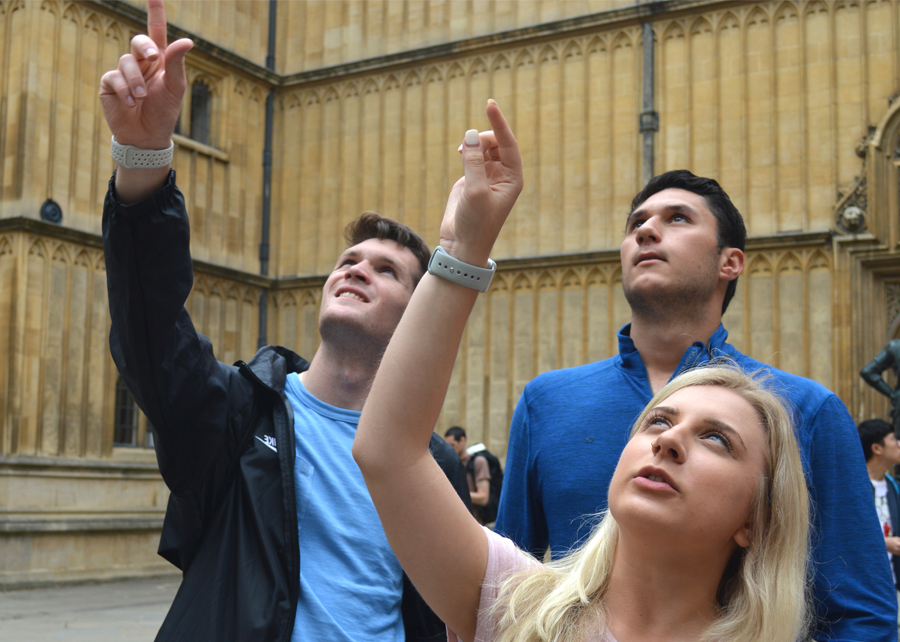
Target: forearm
(416,367)
(134,185)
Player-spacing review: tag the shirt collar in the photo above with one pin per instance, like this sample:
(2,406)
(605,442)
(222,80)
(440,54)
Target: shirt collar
(698,353)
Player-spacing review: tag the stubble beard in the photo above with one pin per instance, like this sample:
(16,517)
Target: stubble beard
(681,301)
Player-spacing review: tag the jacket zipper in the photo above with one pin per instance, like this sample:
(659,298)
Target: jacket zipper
(292,500)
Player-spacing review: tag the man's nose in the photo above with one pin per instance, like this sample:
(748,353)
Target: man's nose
(648,231)
(359,271)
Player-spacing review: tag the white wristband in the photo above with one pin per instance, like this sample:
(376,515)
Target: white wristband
(131,157)
(447,267)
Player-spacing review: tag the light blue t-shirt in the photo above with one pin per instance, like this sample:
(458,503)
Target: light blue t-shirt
(350,582)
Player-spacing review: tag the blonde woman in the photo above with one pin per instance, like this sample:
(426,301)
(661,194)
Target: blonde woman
(706,534)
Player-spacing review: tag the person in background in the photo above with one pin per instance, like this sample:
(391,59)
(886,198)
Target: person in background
(479,478)
(882,452)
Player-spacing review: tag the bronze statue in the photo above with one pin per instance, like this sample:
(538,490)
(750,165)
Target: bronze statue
(889,357)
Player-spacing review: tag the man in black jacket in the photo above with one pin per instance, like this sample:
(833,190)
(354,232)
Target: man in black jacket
(268,517)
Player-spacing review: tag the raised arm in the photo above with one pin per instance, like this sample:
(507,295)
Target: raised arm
(141,101)
(438,543)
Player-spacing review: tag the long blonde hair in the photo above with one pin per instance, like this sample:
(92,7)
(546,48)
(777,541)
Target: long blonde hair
(763,593)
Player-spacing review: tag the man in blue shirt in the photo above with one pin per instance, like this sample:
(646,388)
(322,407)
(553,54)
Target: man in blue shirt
(681,258)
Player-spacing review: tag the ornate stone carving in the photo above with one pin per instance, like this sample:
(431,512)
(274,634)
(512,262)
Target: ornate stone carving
(850,211)
(892,294)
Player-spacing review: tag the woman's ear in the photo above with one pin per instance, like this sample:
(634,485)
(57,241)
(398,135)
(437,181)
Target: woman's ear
(742,536)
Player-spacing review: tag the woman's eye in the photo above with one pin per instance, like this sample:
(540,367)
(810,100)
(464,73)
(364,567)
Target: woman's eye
(719,437)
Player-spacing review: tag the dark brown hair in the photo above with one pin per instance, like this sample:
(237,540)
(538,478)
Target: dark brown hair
(372,225)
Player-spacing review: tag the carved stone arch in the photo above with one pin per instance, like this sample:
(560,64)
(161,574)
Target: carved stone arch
(816,6)
(615,275)
(522,282)
(99,262)
(114,32)
(412,79)
(477,67)
(701,25)
(623,40)
(573,50)
(673,31)
(729,21)
(291,100)
(786,10)
(787,263)
(455,71)
(288,299)
(201,285)
(37,247)
(92,23)
(548,54)
(241,86)
(547,280)
(434,75)
(818,260)
(311,97)
(501,284)
(875,194)
(391,82)
(61,254)
(369,87)
(571,279)
(256,94)
(83,258)
(524,59)
(500,62)
(308,297)
(596,44)
(215,288)
(74,14)
(6,246)
(207,81)
(331,95)
(47,5)
(759,265)
(757,15)
(349,90)
(596,276)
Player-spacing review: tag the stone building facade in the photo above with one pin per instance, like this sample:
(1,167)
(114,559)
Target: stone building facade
(790,105)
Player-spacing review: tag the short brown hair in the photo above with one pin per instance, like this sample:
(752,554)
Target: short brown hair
(372,225)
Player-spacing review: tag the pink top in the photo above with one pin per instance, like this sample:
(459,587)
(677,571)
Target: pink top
(504,559)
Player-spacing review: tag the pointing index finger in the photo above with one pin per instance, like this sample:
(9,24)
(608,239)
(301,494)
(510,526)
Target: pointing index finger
(156,23)
(506,140)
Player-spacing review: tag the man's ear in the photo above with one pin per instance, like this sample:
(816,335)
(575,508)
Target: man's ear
(731,263)
(878,449)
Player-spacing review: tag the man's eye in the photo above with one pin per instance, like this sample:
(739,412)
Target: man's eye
(679,217)
(388,270)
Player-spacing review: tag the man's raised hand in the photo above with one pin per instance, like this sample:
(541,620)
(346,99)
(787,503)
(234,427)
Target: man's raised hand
(141,98)
(480,201)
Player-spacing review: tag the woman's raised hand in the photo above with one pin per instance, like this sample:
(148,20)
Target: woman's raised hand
(480,201)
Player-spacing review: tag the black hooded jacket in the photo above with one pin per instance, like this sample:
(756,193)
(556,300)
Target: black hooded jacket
(231,523)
